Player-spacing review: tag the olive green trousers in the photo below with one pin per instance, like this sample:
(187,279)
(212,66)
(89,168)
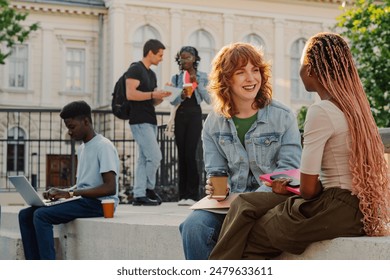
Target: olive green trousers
(262,225)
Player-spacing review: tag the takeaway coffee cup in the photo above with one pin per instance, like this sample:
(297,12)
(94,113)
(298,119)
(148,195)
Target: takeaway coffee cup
(188,91)
(108,208)
(219,180)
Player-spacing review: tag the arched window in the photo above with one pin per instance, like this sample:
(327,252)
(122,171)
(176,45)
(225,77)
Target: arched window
(255,40)
(141,35)
(298,91)
(16,150)
(204,43)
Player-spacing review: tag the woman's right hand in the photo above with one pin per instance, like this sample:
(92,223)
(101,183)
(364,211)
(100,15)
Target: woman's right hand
(209,189)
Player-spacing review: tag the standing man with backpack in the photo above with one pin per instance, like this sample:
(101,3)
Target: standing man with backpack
(141,90)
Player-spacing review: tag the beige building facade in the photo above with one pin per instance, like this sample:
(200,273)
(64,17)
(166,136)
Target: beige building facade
(82,47)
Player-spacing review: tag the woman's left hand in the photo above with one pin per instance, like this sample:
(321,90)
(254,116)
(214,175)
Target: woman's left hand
(279,186)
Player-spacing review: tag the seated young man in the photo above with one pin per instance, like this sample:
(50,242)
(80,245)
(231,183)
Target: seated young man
(97,179)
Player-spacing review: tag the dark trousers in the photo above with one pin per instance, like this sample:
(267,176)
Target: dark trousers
(188,127)
(36,224)
(262,225)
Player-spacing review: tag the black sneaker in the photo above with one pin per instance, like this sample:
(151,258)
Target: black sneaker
(138,201)
(153,195)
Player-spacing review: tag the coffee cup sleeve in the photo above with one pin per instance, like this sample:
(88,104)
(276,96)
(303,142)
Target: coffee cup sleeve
(227,195)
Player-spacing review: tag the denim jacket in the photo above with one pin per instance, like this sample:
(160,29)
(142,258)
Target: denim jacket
(200,92)
(273,143)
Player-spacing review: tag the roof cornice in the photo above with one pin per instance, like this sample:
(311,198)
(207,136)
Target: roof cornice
(58,8)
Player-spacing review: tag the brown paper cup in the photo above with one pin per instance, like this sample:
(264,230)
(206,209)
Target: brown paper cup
(188,91)
(220,184)
(108,208)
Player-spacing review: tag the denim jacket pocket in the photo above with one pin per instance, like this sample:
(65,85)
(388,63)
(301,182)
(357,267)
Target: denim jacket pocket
(266,149)
(226,143)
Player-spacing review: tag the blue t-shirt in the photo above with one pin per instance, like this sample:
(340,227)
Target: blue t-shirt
(95,157)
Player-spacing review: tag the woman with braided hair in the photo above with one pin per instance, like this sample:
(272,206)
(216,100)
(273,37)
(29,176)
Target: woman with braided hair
(188,121)
(344,177)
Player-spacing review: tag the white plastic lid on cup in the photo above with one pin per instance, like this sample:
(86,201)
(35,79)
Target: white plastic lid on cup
(108,201)
(187,85)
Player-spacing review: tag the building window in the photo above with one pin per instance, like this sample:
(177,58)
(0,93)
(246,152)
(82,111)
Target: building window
(298,90)
(204,43)
(18,65)
(255,40)
(141,35)
(16,150)
(75,69)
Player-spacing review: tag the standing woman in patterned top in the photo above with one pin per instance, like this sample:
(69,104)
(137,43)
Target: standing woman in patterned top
(188,121)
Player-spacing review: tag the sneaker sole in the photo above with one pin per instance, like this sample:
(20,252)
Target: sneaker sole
(142,204)
(159,201)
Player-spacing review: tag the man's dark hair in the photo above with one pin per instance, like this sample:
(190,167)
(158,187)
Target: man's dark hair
(153,45)
(76,109)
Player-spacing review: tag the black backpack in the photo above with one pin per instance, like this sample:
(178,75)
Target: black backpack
(119,104)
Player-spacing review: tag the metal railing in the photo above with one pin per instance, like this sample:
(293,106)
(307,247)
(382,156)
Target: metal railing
(35,143)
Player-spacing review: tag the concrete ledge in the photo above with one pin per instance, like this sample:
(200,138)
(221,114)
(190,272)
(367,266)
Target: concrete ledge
(11,248)
(143,237)
(346,248)
(151,233)
(137,233)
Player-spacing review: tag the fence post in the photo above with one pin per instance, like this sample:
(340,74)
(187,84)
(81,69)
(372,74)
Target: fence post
(73,161)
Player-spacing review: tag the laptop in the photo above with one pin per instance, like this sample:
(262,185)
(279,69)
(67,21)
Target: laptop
(30,195)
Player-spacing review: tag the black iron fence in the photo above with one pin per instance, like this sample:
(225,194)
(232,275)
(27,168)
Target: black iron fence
(35,143)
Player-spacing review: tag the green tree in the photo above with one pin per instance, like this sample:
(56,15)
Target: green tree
(11,30)
(367,26)
(301,117)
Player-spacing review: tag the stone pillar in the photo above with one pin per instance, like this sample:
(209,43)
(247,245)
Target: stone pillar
(45,98)
(176,39)
(116,40)
(228,28)
(279,65)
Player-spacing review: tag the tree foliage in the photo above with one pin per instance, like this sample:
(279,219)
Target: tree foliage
(367,26)
(301,117)
(11,30)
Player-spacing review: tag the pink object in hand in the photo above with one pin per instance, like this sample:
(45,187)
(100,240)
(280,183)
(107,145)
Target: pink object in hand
(186,77)
(187,80)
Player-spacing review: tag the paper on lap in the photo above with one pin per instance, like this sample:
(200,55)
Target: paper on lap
(213,205)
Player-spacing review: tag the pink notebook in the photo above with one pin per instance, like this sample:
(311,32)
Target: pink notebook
(293,173)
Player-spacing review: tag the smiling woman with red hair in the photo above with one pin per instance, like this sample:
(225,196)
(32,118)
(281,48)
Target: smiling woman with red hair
(246,135)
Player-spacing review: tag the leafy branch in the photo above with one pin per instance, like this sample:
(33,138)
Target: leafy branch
(11,29)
